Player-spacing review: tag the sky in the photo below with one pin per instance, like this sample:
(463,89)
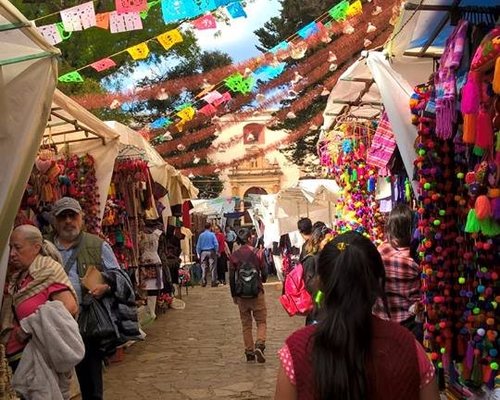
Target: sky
(238,39)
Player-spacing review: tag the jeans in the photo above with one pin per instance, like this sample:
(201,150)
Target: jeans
(208,260)
(89,373)
(253,309)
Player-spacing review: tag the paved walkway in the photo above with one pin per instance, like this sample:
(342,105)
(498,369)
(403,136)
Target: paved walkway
(197,353)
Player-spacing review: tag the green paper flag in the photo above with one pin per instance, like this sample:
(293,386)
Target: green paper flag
(70,77)
(64,34)
(144,14)
(339,12)
(237,83)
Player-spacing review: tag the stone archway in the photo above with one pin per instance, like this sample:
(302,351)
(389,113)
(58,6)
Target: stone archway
(247,204)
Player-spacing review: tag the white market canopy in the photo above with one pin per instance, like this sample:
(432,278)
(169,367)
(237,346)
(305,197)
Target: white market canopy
(28,76)
(425,25)
(312,198)
(132,143)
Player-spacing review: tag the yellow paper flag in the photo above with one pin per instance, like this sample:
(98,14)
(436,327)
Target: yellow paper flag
(139,52)
(186,114)
(168,39)
(354,9)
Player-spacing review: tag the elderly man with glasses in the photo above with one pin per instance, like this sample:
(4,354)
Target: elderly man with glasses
(79,251)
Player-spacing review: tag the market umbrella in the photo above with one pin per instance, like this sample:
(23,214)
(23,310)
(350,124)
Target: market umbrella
(28,76)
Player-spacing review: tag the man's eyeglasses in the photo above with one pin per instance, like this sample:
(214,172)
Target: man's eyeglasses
(67,214)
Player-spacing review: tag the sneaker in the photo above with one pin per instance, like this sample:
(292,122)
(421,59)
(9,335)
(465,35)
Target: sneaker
(250,357)
(259,354)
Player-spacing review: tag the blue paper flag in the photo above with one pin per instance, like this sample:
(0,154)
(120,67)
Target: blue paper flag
(220,3)
(236,10)
(280,46)
(160,122)
(268,72)
(308,30)
(181,9)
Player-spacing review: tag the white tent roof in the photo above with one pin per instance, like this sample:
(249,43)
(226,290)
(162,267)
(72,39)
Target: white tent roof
(179,186)
(69,122)
(28,67)
(425,25)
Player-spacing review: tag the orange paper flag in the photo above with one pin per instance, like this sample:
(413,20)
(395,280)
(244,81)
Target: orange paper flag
(102,20)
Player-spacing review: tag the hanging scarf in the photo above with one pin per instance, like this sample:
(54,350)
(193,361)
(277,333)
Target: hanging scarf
(445,81)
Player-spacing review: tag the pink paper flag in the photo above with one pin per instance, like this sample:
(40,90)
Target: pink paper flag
(206,22)
(124,22)
(78,17)
(103,64)
(126,6)
(226,96)
(207,110)
(50,33)
(212,96)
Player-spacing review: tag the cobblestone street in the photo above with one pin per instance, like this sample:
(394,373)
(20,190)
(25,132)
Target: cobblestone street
(197,353)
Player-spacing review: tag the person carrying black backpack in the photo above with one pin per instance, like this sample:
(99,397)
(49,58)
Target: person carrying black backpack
(246,275)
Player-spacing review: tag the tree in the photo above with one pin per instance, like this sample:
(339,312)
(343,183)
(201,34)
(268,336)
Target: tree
(294,15)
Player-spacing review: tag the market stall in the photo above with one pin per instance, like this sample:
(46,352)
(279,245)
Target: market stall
(444,127)
(28,75)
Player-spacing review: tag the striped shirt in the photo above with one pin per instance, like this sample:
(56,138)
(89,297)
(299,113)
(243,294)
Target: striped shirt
(402,286)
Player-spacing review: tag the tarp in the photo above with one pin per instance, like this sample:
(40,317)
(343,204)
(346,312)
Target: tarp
(75,130)
(416,29)
(28,76)
(180,188)
(396,92)
(312,198)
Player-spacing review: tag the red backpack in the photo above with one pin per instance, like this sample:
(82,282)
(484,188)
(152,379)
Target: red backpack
(296,300)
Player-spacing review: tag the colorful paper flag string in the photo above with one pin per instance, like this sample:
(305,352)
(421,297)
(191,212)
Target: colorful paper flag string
(238,83)
(103,64)
(235,10)
(339,11)
(124,22)
(78,17)
(354,9)
(73,76)
(206,22)
(308,30)
(139,52)
(126,6)
(185,9)
(168,39)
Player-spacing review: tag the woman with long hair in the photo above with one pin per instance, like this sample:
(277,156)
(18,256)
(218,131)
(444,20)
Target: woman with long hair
(351,354)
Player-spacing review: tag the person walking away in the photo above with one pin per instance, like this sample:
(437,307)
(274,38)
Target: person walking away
(222,255)
(79,251)
(39,277)
(304,225)
(403,285)
(230,238)
(246,276)
(207,248)
(350,353)
(309,264)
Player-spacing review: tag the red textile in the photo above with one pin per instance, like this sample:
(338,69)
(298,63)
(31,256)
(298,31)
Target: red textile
(186,217)
(221,239)
(392,370)
(383,145)
(28,307)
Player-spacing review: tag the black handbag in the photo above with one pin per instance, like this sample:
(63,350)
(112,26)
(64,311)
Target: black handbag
(95,321)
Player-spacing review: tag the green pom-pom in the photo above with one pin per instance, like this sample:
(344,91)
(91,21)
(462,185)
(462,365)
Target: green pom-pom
(472,225)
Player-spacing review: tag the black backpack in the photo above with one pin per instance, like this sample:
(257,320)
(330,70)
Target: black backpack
(247,281)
